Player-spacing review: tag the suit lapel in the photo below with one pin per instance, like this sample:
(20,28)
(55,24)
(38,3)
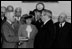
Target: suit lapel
(64,25)
(60,31)
(10,26)
(57,25)
(48,23)
(32,34)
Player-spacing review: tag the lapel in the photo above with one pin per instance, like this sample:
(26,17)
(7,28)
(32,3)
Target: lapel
(10,26)
(47,24)
(32,34)
(63,26)
(57,25)
(60,30)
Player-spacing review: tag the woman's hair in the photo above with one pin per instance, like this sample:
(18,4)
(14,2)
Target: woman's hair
(25,15)
(28,17)
(22,20)
(41,4)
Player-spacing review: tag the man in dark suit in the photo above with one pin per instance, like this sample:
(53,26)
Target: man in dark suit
(3,11)
(3,18)
(18,12)
(46,34)
(63,31)
(8,33)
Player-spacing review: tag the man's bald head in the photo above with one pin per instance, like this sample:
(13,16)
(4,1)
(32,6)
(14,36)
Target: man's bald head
(62,17)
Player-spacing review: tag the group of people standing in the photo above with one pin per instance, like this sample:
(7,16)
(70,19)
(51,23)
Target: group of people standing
(34,30)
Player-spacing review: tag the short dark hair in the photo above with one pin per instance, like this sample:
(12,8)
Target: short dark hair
(41,4)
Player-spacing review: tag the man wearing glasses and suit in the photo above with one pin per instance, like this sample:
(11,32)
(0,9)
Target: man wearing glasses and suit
(63,32)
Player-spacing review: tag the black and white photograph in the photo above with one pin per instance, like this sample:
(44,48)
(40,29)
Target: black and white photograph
(35,24)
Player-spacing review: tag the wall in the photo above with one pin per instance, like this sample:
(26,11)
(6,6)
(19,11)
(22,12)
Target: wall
(56,8)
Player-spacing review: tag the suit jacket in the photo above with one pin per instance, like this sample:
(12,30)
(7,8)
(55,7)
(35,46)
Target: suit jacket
(2,21)
(9,37)
(45,36)
(16,26)
(38,24)
(22,31)
(63,36)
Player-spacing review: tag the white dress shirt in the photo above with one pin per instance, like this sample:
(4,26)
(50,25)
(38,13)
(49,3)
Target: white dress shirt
(2,18)
(62,24)
(17,18)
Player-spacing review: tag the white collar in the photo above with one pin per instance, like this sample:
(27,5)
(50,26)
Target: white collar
(18,18)
(63,24)
(9,21)
(2,18)
(46,21)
